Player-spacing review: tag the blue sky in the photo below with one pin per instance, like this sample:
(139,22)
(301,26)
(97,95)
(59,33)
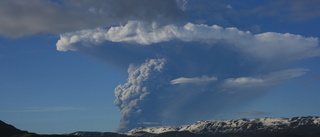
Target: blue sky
(44,90)
(41,85)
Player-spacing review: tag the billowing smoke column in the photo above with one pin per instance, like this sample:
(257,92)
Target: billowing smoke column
(182,73)
(137,91)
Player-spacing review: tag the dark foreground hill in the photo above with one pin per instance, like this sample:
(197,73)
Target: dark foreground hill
(7,130)
(259,127)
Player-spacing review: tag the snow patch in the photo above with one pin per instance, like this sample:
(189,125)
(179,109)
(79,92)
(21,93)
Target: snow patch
(232,126)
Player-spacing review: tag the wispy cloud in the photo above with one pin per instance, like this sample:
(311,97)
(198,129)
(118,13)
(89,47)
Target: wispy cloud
(203,79)
(263,81)
(45,109)
(291,10)
(253,113)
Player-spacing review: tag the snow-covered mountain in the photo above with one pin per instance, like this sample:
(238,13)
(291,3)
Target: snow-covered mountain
(259,127)
(233,126)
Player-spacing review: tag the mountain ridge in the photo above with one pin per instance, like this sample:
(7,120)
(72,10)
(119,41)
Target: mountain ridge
(233,126)
(307,126)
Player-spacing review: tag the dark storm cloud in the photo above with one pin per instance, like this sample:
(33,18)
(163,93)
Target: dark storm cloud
(21,18)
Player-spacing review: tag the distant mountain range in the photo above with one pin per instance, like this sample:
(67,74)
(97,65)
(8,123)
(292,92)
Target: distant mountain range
(260,127)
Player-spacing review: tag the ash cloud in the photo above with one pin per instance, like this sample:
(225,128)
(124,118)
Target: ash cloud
(182,72)
(135,95)
(23,18)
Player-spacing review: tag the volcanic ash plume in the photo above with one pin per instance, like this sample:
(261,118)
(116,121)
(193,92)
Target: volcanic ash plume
(134,95)
(180,74)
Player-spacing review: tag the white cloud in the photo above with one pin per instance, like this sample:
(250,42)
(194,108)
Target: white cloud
(244,82)
(267,46)
(195,80)
(263,81)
